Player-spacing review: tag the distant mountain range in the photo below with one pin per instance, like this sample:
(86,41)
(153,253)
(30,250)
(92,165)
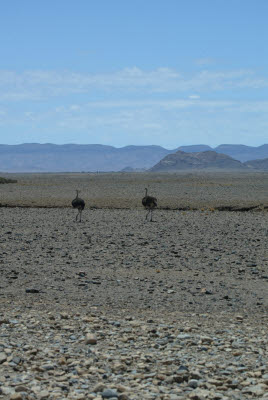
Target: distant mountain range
(258,164)
(76,158)
(35,157)
(238,151)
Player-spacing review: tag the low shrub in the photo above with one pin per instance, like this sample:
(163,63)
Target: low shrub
(4,180)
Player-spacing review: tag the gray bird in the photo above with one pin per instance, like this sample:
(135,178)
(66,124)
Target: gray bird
(150,203)
(79,204)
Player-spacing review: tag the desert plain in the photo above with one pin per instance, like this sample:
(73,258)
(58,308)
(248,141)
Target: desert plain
(118,307)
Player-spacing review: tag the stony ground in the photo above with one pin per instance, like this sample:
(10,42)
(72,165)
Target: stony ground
(118,308)
(95,355)
(187,261)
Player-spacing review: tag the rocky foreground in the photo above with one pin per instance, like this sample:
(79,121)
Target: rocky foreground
(95,355)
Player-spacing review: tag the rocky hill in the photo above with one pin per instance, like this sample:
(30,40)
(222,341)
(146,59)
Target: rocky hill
(201,160)
(258,164)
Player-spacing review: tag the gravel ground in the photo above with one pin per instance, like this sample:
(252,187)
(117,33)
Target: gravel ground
(51,355)
(115,307)
(190,261)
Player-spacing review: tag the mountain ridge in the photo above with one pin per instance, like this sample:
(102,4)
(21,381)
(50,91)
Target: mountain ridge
(258,164)
(72,157)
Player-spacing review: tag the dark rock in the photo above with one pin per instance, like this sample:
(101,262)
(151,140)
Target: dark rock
(32,290)
(109,393)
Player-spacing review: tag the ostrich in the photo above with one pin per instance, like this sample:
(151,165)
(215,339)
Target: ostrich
(150,203)
(79,204)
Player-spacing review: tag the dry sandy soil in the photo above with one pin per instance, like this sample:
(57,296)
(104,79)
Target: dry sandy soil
(124,190)
(143,289)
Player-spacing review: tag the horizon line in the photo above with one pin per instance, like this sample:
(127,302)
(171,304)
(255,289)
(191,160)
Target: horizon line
(129,145)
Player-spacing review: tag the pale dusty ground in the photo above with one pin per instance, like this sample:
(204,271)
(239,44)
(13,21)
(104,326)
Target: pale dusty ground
(183,298)
(194,190)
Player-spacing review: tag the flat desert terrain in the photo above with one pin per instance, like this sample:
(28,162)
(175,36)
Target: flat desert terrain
(125,190)
(117,307)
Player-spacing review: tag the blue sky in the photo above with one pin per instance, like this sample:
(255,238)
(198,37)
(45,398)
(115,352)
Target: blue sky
(121,72)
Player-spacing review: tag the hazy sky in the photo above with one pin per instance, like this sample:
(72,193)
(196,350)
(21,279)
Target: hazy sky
(120,72)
